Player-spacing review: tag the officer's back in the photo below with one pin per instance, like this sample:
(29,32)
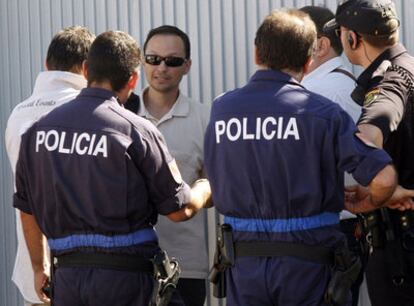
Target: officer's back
(92,177)
(275,155)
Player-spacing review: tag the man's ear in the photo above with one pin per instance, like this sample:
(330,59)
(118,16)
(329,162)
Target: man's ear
(85,69)
(133,80)
(352,40)
(46,66)
(187,65)
(324,45)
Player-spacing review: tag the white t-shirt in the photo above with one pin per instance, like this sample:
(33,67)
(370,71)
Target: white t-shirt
(52,88)
(183,128)
(337,87)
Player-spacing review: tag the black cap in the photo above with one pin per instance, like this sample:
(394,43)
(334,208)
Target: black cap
(365,16)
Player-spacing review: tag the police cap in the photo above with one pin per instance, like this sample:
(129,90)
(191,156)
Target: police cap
(365,16)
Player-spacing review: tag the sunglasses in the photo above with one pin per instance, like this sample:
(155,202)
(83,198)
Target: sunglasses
(170,61)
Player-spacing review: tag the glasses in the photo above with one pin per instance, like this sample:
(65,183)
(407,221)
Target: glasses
(170,61)
(338,32)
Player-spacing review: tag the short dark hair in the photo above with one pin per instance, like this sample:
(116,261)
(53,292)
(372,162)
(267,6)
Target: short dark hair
(114,57)
(170,30)
(285,40)
(69,48)
(320,16)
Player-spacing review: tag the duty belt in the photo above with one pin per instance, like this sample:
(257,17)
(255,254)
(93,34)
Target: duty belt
(318,254)
(122,262)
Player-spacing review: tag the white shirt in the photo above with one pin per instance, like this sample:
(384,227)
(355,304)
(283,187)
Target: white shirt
(183,128)
(337,87)
(52,88)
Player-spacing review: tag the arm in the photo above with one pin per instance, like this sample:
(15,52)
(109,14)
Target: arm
(200,198)
(36,246)
(379,190)
(170,195)
(357,199)
(371,135)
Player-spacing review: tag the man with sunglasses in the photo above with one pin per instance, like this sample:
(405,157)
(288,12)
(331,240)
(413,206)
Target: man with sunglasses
(93,177)
(182,121)
(369,35)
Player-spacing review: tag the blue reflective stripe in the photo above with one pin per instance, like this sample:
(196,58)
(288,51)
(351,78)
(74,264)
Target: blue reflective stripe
(96,240)
(282,225)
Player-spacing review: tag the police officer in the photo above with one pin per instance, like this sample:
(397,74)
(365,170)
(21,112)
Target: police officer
(275,155)
(369,35)
(93,177)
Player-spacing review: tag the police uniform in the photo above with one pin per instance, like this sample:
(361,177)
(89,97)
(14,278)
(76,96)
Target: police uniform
(95,177)
(275,155)
(386,91)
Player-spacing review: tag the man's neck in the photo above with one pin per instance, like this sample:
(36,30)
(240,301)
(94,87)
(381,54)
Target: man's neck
(369,54)
(332,54)
(159,103)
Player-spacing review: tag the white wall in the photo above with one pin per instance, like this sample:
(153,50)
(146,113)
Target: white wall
(221,33)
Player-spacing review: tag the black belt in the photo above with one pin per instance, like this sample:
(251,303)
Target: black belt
(122,262)
(318,254)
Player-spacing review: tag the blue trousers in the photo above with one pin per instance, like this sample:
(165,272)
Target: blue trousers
(277,281)
(83,286)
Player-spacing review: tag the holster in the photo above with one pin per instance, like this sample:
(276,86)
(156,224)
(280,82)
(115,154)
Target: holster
(167,272)
(223,259)
(345,272)
(389,231)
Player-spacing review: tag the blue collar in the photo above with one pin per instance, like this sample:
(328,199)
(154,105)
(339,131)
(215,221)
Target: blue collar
(273,76)
(95,92)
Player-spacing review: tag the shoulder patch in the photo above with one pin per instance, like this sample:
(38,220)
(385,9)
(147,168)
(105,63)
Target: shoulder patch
(371,95)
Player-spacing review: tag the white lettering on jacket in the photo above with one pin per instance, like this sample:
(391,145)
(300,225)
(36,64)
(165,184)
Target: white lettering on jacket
(268,128)
(73,143)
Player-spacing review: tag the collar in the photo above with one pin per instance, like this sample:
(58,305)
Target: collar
(54,80)
(324,69)
(181,108)
(100,93)
(388,54)
(273,76)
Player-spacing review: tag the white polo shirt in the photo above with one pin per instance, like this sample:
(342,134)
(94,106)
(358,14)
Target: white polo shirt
(183,128)
(338,87)
(51,89)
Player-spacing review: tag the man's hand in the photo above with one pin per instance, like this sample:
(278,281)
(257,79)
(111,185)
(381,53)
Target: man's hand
(200,198)
(41,280)
(357,199)
(401,199)
(204,188)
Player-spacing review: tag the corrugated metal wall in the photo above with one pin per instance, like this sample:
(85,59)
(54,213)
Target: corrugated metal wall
(221,33)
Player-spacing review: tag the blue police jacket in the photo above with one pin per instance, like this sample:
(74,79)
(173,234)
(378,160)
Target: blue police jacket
(275,155)
(95,176)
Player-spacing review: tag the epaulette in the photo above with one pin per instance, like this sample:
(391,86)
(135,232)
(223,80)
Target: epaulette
(382,68)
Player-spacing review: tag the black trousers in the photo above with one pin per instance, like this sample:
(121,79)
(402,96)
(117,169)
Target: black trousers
(350,228)
(190,291)
(382,291)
